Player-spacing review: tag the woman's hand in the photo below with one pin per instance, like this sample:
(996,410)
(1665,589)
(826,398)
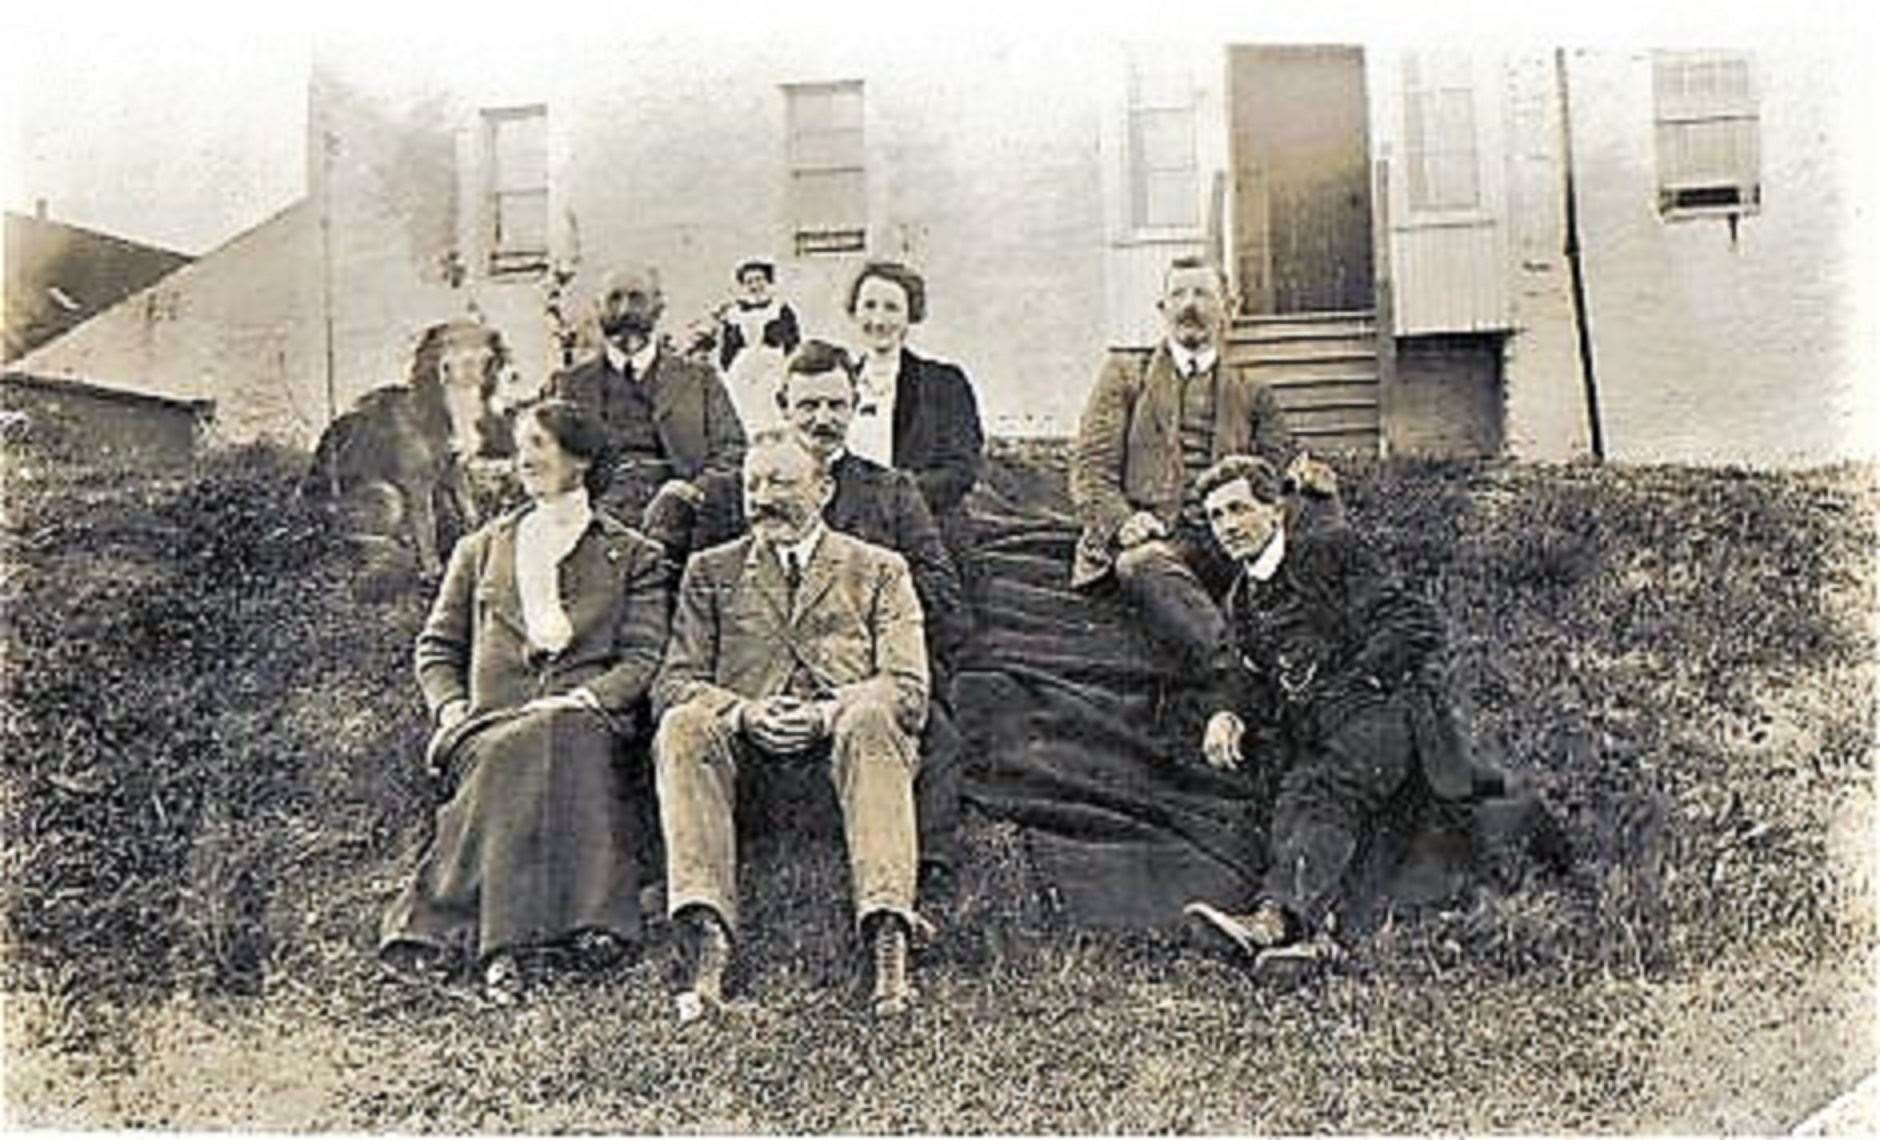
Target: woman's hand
(572,699)
(449,715)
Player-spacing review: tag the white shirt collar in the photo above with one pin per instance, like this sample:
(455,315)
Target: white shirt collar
(804,547)
(642,360)
(1186,360)
(1266,563)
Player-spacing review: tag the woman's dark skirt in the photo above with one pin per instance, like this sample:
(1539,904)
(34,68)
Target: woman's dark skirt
(538,842)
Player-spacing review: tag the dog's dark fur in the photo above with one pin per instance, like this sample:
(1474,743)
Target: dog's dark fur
(385,462)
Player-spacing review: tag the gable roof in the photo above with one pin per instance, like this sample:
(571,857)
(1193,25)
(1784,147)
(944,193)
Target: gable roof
(60,275)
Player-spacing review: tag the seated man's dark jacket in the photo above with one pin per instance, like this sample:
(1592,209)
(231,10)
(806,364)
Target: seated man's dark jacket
(1332,635)
(693,416)
(873,503)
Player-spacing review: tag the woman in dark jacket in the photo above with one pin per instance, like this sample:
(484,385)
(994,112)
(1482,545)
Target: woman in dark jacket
(932,430)
(535,663)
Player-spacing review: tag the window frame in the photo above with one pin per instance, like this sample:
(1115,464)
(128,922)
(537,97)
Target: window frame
(1136,229)
(1686,110)
(510,259)
(808,241)
(1413,96)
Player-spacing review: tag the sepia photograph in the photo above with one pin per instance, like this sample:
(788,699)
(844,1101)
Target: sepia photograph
(1018,569)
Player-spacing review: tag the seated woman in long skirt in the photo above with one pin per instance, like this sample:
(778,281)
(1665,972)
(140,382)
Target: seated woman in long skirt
(535,663)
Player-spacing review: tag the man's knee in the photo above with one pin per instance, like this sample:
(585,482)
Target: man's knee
(867,720)
(1145,558)
(686,733)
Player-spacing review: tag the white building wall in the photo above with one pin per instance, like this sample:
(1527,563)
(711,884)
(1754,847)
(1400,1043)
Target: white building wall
(1706,350)
(982,171)
(994,166)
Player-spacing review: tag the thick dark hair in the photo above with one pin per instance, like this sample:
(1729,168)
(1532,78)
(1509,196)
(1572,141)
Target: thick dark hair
(815,357)
(578,433)
(1266,483)
(766,268)
(911,283)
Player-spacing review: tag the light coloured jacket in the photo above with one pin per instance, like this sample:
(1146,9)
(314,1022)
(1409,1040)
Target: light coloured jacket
(856,626)
(1128,456)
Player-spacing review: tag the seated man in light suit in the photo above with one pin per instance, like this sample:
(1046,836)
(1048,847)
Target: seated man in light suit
(876,504)
(793,641)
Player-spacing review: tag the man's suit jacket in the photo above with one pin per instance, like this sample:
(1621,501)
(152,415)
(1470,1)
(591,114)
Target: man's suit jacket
(937,434)
(1128,455)
(698,426)
(875,504)
(856,627)
(1347,636)
(474,644)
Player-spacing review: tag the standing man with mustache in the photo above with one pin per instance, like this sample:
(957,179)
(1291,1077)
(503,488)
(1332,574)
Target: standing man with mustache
(668,420)
(1153,424)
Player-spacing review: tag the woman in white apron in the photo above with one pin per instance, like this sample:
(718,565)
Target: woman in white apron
(757,333)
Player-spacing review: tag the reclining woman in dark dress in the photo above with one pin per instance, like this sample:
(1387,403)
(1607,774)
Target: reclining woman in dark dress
(535,663)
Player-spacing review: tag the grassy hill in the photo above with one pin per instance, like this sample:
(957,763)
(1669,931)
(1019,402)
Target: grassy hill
(207,786)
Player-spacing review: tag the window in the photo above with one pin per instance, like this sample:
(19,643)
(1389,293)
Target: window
(1709,144)
(518,188)
(828,191)
(1439,131)
(1164,176)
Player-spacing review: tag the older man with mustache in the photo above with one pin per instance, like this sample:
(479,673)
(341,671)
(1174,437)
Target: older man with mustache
(795,643)
(1153,424)
(876,504)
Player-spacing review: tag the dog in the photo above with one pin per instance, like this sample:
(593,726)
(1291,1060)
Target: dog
(386,462)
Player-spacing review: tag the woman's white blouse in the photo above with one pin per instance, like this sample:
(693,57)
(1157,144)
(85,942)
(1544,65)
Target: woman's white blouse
(545,536)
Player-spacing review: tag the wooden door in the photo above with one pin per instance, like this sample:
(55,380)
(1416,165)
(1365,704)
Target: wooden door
(1302,187)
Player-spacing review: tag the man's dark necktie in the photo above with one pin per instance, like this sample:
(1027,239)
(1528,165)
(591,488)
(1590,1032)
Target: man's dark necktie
(792,572)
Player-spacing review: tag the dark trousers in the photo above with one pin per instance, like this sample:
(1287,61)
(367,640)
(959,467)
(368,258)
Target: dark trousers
(937,786)
(1173,583)
(1331,798)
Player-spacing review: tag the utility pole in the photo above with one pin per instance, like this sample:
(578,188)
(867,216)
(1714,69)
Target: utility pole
(1572,251)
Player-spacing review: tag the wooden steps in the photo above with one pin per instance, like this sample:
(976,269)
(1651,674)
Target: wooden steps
(1323,369)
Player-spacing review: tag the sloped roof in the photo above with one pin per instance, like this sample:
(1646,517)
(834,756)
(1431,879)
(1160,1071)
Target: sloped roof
(59,275)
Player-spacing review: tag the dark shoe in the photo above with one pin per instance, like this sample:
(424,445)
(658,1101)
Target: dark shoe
(888,952)
(597,951)
(416,962)
(1267,926)
(503,983)
(706,946)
